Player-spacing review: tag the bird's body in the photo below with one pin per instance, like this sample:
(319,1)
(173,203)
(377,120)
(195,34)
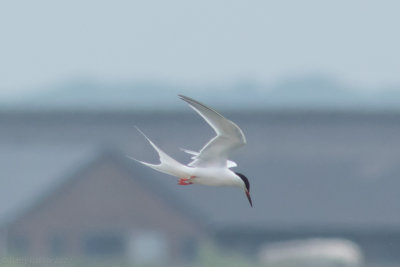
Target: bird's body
(214,177)
(210,166)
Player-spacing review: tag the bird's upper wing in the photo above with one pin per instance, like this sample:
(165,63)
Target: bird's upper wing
(229,137)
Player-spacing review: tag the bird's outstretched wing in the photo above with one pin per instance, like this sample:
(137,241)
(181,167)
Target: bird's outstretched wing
(217,150)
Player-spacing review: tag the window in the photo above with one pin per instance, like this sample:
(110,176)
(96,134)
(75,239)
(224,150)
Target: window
(190,248)
(19,245)
(104,244)
(148,247)
(57,245)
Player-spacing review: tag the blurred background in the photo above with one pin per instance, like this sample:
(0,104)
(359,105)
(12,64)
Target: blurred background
(314,85)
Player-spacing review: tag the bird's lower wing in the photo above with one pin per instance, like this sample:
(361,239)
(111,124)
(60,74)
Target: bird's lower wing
(229,163)
(215,153)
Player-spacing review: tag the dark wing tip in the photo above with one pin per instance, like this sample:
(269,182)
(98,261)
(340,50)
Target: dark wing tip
(193,103)
(183,97)
(189,99)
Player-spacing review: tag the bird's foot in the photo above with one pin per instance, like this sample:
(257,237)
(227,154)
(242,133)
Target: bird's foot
(186,181)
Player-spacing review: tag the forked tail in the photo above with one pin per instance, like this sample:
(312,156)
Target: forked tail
(167,164)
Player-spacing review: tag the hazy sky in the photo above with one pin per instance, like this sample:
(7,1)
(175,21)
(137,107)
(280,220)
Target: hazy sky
(46,41)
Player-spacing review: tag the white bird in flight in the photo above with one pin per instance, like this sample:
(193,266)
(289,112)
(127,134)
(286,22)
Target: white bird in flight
(210,166)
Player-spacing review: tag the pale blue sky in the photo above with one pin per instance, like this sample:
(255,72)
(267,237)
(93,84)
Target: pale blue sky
(208,41)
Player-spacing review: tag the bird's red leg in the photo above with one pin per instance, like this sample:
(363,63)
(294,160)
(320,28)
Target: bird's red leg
(186,181)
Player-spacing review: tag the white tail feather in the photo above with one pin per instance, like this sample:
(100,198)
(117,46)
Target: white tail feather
(167,164)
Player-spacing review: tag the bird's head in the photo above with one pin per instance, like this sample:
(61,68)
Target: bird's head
(246,186)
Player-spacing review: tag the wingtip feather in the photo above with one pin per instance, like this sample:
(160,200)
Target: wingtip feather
(142,162)
(148,139)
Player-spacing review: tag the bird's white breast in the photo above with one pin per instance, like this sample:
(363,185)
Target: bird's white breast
(215,177)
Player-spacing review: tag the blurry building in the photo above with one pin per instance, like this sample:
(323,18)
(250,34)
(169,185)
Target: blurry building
(312,175)
(106,209)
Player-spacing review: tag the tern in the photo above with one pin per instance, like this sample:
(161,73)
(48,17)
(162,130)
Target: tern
(210,166)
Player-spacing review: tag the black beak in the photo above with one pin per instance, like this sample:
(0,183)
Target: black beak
(249,198)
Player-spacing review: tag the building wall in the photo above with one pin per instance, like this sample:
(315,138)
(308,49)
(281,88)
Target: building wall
(101,212)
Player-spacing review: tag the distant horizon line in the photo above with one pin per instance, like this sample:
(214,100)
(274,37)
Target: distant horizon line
(17,111)
(15,91)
